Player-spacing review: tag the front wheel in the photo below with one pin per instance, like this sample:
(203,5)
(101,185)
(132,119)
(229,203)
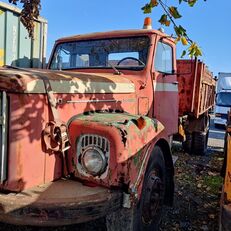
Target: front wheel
(149,208)
(146,215)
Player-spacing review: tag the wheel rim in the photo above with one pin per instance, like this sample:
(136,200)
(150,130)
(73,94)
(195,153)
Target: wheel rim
(153,200)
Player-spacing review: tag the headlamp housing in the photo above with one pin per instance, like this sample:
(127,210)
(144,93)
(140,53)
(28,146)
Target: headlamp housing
(93,154)
(93,160)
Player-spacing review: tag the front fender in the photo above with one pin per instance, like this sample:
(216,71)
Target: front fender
(128,136)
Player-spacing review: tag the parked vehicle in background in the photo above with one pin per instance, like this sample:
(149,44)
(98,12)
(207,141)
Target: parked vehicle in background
(91,136)
(225,208)
(196,98)
(223,98)
(16,47)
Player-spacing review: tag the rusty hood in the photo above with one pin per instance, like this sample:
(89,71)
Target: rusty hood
(32,81)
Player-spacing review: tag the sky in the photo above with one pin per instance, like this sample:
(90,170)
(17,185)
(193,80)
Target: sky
(207,23)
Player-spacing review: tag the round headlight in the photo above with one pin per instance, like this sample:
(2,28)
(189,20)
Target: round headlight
(93,160)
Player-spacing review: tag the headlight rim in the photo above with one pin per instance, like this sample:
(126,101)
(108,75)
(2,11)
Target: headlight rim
(101,154)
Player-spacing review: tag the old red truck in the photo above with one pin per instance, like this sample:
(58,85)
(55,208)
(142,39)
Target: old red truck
(91,136)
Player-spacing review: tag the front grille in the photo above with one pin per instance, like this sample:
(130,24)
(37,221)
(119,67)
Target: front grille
(3,135)
(94,140)
(88,140)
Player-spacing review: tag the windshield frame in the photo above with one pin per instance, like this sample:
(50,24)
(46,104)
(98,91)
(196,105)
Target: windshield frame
(129,68)
(222,104)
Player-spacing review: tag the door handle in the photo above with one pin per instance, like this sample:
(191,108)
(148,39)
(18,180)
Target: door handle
(175,82)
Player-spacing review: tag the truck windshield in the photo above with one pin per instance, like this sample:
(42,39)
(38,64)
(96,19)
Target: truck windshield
(124,53)
(224,99)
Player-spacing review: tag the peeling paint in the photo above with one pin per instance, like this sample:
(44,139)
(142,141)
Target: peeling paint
(127,137)
(136,158)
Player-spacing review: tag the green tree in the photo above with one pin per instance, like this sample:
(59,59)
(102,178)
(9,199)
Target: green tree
(169,17)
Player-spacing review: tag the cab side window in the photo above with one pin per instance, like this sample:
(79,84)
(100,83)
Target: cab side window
(164,58)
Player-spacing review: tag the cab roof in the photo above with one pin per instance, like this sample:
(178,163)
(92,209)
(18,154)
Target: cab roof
(112,34)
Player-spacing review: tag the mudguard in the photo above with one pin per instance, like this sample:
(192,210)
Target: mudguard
(130,138)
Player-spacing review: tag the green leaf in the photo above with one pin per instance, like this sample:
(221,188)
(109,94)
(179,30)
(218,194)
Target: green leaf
(180,1)
(147,9)
(177,31)
(183,53)
(174,12)
(192,2)
(164,20)
(154,3)
(198,52)
(180,31)
(194,50)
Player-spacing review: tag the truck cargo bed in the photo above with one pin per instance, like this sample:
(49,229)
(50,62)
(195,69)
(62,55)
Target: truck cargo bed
(196,87)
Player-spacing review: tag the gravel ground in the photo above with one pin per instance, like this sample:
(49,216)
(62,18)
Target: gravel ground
(197,193)
(197,188)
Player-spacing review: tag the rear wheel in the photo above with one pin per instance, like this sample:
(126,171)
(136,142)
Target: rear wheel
(200,139)
(197,141)
(200,142)
(187,144)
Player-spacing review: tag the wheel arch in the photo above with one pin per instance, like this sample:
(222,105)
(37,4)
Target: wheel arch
(169,194)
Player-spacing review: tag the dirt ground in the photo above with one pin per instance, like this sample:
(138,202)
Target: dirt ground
(197,193)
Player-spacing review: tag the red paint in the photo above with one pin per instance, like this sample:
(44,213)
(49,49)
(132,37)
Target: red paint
(141,118)
(122,153)
(196,87)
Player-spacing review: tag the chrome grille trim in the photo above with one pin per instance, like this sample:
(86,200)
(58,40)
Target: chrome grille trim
(88,140)
(3,136)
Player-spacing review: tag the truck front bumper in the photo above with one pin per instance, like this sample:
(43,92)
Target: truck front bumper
(220,121)
(58,203)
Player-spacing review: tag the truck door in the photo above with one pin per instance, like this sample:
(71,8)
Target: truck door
(165,85)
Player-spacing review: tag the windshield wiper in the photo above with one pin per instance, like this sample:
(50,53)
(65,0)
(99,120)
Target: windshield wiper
(117,72)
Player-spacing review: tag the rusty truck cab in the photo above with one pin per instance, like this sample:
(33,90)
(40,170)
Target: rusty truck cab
(155,80)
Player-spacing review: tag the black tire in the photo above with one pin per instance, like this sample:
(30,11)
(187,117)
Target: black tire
(149,209)
(187,144)
(139,218)
(200,143)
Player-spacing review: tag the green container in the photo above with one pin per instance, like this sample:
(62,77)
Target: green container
(16,48)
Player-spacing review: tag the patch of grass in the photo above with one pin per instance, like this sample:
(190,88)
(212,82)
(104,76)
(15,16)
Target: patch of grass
(214,182)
